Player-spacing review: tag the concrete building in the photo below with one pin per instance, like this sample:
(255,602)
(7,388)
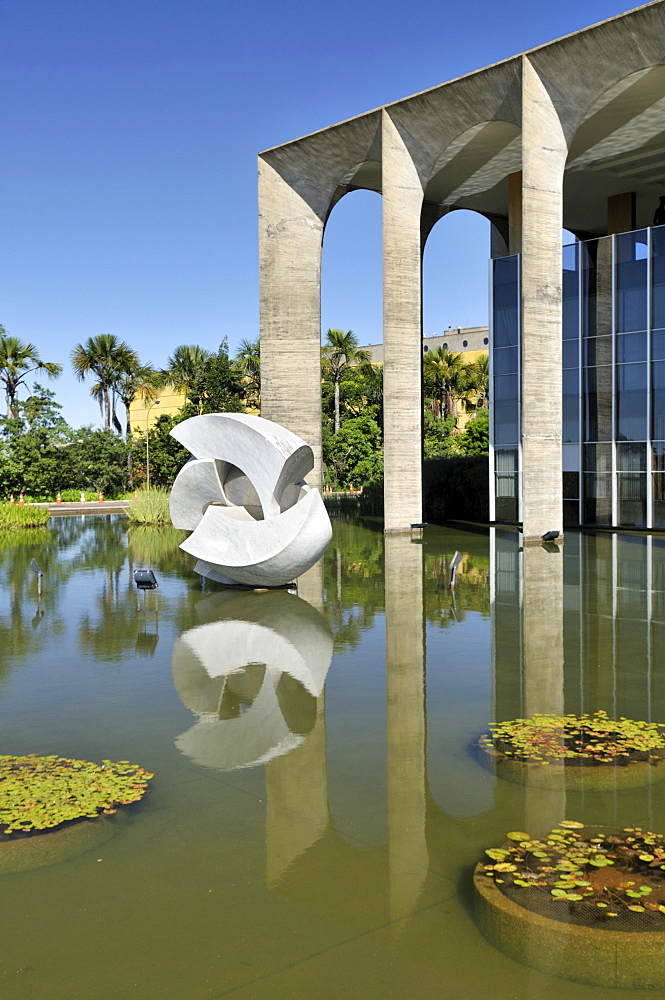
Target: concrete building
(571,134)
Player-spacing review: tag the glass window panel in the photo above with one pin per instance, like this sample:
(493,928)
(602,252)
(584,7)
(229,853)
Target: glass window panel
(505,510)
(631,347)
(598,351)
(631,485)
(596,264)
(658,344)
(632,513)
(598,404)
(658,456)
(571,405)
(506,302)
(631,402)
(658,277)
(571,513)
(504,361)
(571,317)
(571,354)
(571,485)
(658,400)
(597,508)
(631,281)
(631,456)
(505,459)
(598,457)
(658,499)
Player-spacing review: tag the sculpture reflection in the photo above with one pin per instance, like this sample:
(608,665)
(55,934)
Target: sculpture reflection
(252,671)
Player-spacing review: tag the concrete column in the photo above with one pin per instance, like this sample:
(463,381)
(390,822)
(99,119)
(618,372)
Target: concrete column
(515,182)
(543,160)
(290,239)
(402,333)
(406,730)
(622,213)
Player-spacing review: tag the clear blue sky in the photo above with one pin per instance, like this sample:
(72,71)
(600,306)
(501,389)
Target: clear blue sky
(128,173)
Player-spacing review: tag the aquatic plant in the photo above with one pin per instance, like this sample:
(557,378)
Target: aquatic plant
(14,515)
(589,739)
(39,793)
(571,866)
(151,507)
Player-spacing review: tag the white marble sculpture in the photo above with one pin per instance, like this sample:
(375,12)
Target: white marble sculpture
(253,519)
(251,672)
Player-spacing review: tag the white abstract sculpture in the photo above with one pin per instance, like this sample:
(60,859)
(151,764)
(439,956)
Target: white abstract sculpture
(251,672)
(253,518)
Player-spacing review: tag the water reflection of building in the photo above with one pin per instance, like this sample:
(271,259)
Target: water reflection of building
(599,610)
(253,672)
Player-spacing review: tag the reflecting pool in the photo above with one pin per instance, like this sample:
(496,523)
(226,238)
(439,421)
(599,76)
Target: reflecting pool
(317,809)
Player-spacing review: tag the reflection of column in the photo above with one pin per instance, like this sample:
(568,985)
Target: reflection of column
(407,849)
(542,641)
(543,161)
(296,800)
(310,585)
(402,332)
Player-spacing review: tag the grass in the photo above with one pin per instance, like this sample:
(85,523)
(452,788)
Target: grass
(14,515)
(152,507)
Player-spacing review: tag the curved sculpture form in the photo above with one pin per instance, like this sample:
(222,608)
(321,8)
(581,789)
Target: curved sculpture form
(253,518)
(251,672)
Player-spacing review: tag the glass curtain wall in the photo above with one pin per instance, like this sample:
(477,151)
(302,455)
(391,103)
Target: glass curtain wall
(613,382)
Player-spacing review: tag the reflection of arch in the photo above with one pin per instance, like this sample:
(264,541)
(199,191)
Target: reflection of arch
(252,672)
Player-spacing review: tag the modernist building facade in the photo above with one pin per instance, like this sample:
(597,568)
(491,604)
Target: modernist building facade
(571,134)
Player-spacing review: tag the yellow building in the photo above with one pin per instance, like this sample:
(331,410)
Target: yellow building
(471,342)
(143,414)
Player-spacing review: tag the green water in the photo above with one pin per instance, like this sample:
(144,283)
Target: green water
(316,816)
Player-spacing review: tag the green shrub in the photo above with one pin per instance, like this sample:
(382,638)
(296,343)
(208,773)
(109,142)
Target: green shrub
(152,507)
(14,515)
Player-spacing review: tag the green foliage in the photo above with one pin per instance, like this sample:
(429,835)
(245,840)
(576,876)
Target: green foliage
(14,515)
(216,387)
(475,440)
(38,793)
(152,507)
(17,361)
(567,864)
(353,456)
(108,360)
(596,738)
(167,456)
(438,438)
(97,461)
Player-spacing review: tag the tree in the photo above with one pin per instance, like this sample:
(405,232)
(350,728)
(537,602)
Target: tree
(167,456)
(248,364)
(445,377)
(476,437)
(17,361)
(137,379)
(353,455)
(217,386)
(478,375)
(184,367)
(338,353)
(33,447)
(107,358)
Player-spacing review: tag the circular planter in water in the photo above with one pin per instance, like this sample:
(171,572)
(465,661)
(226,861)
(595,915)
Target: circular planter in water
(589,752)
(53,808)
(581,904)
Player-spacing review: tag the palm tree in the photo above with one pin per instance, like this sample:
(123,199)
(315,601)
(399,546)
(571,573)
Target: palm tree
(108,359)
(248,363)
(184,366)
(338,353)
(478,373)
(445,377)
(17,361)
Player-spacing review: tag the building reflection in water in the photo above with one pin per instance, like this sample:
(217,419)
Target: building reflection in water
(253,672)
(575,627)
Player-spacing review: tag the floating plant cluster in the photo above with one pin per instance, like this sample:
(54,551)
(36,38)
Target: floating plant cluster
(586,739)
(39,793)
(601,875)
